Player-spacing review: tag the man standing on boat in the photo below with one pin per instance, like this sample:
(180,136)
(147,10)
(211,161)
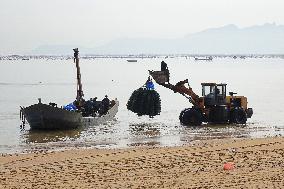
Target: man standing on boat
(105,105)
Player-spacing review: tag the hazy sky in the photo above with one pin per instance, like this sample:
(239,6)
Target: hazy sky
(26,24)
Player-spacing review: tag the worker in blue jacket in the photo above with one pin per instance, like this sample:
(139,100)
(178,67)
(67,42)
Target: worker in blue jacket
(149,84)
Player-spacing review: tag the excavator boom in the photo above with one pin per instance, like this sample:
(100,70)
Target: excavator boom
(162,78)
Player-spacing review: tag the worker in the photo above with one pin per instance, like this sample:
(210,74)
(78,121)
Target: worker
(97,106)
(165,69)
(149,84)
(94,103)
(217,91)
(164,66)
(88,107)
(105,105)
(79,104)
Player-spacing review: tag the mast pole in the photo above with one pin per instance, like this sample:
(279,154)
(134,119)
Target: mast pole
(80,93)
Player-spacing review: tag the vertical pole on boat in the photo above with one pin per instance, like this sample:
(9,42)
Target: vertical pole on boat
(22,117)
(80,94)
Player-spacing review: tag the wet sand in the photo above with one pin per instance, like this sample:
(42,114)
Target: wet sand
(258,163)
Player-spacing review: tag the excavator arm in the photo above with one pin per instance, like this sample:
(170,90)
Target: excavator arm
(162,78)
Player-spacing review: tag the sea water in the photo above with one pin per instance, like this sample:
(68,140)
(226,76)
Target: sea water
(22,82)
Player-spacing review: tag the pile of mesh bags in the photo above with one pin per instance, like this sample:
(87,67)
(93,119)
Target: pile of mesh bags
(145,101)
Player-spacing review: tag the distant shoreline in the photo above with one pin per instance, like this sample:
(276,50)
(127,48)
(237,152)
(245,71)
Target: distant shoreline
(163,56)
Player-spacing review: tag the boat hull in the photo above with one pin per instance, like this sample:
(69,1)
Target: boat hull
(89,121)
(43,116)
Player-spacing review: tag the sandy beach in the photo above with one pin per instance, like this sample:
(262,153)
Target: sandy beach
(258,163)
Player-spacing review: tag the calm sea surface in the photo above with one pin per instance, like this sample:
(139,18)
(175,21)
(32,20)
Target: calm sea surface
(22,82)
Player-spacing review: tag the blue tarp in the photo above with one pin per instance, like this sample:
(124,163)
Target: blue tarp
(70,107)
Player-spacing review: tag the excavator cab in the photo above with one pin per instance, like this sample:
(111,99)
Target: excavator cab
(214,94)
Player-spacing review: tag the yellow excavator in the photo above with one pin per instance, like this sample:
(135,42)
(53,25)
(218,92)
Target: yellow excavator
(214,106)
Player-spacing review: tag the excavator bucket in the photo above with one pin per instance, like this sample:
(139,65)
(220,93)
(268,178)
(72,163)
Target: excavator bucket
(160,76)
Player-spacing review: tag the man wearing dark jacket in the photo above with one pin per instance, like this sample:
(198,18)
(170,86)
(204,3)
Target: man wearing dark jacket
(164,66)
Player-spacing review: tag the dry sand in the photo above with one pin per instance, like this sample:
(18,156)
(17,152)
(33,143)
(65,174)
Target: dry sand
(259,163)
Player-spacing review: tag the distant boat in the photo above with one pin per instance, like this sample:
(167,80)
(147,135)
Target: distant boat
(80,113)
(132,60)
(206,58)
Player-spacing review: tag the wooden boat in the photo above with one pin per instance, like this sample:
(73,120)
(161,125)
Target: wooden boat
(45,117)
(49,116)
